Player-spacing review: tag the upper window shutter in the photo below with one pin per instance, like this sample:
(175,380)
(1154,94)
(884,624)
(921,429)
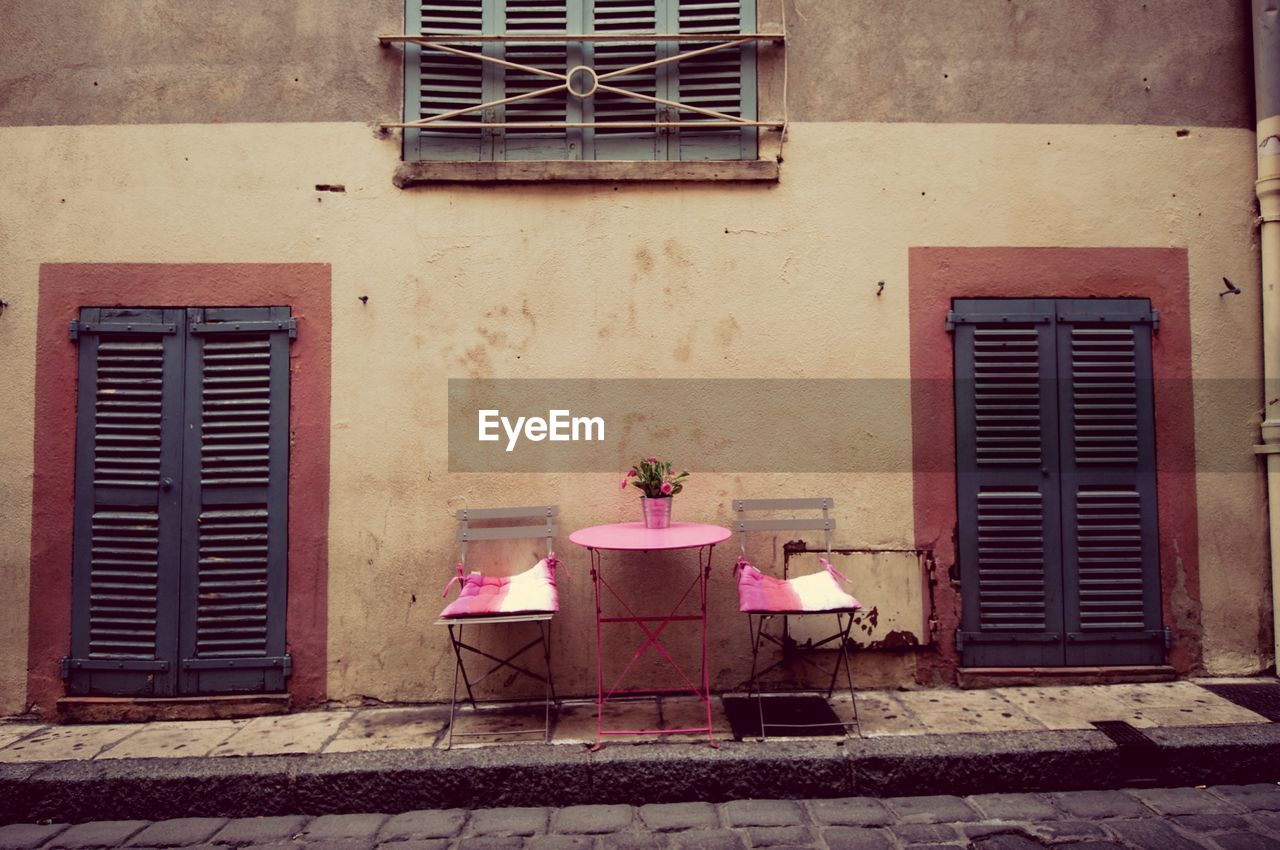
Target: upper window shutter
(723,81)
(437,82)
(1008,496)
(539,16)
(1110,540)
(639,16)
(126,535)
(235,524)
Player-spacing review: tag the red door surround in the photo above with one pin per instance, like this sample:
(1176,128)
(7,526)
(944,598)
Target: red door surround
(939,274)
(64,289)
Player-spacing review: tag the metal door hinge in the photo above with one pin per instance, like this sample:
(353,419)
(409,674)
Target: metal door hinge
(247,326)
(959,641)
(136,665)
(281,662)
(121,327)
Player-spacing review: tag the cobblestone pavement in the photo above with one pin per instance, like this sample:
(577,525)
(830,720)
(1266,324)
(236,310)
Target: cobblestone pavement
(1225,817)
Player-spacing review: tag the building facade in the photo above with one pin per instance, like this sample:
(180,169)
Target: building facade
(233,474)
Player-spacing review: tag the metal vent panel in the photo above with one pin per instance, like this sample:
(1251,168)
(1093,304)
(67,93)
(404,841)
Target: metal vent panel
(123,580)
(1007,393)
(1109,540)
(1011,558)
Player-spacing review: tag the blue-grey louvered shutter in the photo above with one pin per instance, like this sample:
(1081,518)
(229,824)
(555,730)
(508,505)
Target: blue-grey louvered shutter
(529,17)
(723,81)
(627,143)
(126,535)
(1007,483)
(437,82)
(232,631)
(1110,541)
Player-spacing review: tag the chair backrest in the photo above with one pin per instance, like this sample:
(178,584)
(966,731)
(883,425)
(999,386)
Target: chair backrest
(545,525)
(820,519)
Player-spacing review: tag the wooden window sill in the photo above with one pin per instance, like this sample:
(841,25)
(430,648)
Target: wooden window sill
(577,171)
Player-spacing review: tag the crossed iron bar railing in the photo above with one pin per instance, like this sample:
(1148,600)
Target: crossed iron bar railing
(441,43)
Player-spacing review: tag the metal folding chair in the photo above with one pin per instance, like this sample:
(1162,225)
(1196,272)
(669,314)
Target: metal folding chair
(763,598)
(526,597)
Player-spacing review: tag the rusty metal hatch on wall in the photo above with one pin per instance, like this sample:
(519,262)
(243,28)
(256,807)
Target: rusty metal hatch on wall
(894,584)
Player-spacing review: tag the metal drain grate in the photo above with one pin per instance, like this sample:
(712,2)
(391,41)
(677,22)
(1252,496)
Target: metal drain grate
(1123,734)
(1141,761)
(1259,697)
(783,715)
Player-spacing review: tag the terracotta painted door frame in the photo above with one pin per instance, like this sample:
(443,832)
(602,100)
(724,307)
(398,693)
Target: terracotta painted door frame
(64,289)
(1160,274)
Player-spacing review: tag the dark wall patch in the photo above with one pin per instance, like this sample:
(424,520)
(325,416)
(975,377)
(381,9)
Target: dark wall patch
(149,62)
(1180,62)
(1176,62)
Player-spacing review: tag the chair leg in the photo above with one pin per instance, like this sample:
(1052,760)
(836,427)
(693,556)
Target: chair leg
(752,685)
(550,694)
(848,671)
(460,669)
(453,697)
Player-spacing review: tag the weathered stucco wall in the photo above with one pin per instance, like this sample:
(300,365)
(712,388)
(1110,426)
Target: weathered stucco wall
(1183,62)
(588,281)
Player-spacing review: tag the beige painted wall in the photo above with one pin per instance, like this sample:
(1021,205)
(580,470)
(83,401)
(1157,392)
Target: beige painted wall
(589,281)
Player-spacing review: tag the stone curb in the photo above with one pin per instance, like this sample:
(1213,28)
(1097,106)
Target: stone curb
(536,775)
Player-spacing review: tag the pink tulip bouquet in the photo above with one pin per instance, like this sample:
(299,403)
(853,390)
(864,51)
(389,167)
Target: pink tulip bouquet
(655,478)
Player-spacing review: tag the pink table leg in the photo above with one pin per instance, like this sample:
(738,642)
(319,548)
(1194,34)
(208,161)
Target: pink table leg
(652,639)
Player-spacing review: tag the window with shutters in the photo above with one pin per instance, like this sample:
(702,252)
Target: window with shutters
(576,87)
(1055,444)
(179,542)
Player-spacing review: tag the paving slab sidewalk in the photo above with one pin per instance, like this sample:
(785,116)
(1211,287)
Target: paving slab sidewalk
(882,713)
(392,759)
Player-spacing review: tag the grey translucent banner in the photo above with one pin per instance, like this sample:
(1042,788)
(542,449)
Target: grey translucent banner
(781,425)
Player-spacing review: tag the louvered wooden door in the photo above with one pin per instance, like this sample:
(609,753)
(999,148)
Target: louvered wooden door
(180,513)
(1056,482)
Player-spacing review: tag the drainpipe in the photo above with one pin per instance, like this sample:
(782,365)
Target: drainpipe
(1266,73)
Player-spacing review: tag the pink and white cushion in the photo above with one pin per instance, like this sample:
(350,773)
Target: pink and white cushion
(811,594)
(530,592)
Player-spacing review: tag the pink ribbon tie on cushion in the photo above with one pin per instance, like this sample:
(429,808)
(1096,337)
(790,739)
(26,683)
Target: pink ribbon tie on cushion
(834,572)
(739,564)
(458,578)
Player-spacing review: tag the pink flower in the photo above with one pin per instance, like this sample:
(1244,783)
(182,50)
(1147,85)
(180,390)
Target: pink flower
(666,488)
(622,485)
(632,473)
(651,460)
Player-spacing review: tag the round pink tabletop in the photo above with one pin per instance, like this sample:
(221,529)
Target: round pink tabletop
(633,536)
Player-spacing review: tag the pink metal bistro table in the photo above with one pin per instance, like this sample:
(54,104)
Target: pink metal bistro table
(634,537)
